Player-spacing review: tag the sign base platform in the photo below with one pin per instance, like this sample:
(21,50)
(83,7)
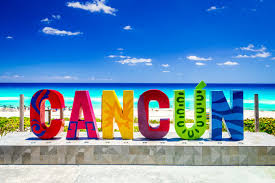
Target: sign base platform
(25,148)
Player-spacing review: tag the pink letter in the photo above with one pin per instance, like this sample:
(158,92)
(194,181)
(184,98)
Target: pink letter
(82,101)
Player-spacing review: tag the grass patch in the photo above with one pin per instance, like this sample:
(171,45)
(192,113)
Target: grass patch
(11,124)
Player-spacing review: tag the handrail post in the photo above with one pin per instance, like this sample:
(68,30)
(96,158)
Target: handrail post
(61,114)
(256,112)
(21,111)
(49,116)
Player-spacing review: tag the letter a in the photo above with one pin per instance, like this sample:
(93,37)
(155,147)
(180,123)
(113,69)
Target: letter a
(82,101)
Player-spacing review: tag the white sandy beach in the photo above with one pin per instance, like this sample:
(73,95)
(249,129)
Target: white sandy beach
(155,114)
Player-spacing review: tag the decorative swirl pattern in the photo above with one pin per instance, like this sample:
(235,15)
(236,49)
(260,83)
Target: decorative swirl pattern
(34,101)
(36,128)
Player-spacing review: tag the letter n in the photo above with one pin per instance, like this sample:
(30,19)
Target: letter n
(82,102)
(232,117)
(111,110)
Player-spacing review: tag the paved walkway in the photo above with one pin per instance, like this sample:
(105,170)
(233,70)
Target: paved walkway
(134,174)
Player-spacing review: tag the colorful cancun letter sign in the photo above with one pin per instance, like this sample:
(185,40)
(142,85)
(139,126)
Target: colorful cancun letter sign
(199,127)
(37,113)
(143,114)
(221,113)
(111,110)
(82,102)
(233,117)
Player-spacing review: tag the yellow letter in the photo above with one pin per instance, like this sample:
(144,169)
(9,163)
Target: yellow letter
(111,110)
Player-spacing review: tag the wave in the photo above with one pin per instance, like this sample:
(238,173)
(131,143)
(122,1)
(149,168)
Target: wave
(95,99)
(98,99)
(11,98)
(268,102)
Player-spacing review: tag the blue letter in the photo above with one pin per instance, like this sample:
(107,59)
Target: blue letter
(233,117)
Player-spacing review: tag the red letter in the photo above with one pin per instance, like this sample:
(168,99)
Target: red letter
(37,113)
(82,101)
(143,104)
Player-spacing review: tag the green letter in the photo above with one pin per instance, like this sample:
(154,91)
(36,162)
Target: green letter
(199,127)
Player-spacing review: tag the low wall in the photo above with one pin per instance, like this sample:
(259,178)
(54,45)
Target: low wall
(25,148)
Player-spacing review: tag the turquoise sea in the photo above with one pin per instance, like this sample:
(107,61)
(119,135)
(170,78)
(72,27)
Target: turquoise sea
(9,92)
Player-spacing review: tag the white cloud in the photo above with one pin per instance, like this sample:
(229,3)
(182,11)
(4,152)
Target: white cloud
(67,77)
(9,37)
(131,60)
(267,66)
(127,27)
(273,58)
(52,31)
(112,56)
(95,6)
(134,61)
(214,8)
(251,47)
(242,56)
(120,49)
(261,55)
(165,71)
(57,17)
(165,65)
(118,56)
(46,20)
(200,63)
(100,79)
(258,55)
(15,76)
(228,63)
(195,58)
(122,56)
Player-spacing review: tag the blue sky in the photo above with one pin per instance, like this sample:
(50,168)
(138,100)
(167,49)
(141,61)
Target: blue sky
(160,41)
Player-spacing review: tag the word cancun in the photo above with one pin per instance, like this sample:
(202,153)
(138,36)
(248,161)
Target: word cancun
(221,111)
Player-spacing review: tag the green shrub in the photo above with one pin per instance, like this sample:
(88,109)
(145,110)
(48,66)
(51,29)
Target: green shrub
(136,129)
(11,124)
(265,125)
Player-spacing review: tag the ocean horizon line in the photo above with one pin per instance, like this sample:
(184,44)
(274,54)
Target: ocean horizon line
(132,83)
(9,92)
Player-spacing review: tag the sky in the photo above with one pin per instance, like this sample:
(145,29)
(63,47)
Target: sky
(137,41)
